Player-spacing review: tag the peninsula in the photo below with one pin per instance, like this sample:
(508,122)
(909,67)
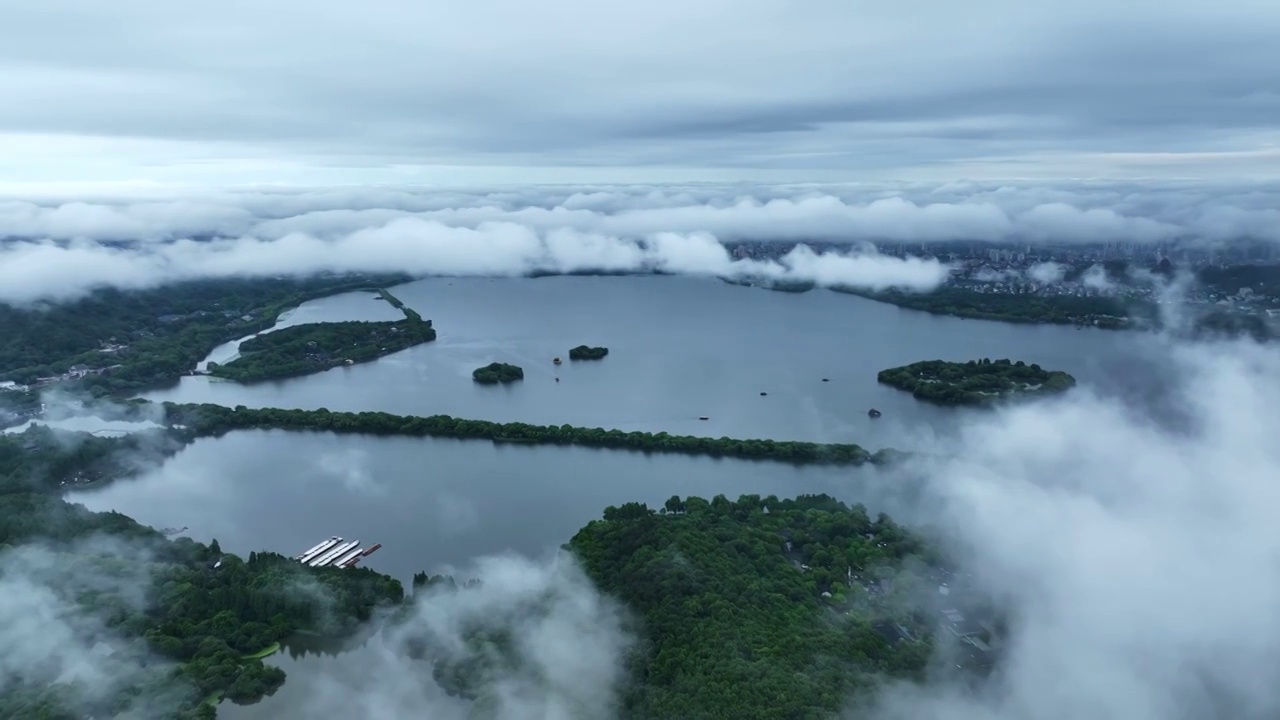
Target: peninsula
(974,382)
(113,342)
(776,285)
(496,372)
(583,352)
(316,347)
(1100,312)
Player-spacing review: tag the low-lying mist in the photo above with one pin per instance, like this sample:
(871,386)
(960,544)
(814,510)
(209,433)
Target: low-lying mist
(1135,558)
(60,248)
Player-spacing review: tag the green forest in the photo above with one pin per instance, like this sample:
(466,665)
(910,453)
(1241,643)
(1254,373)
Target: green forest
(178,618)
(206,420)
(584,352)
(754,609)
(974,382)
(137,338)
(315,347)
(496,372)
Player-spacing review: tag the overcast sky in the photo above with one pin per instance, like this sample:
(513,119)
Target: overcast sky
(321,91)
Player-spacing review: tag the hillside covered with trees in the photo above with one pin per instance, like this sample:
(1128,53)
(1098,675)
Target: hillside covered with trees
(974,382)
(754,609)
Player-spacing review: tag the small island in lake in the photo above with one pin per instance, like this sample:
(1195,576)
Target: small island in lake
(974,382)
(497,372)
(583,352)
(312,348)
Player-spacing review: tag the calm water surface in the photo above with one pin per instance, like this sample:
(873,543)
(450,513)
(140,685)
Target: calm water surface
(347,306)
(434,504)
(679,348)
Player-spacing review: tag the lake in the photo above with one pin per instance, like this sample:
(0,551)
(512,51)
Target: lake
(434,504)
(679,348)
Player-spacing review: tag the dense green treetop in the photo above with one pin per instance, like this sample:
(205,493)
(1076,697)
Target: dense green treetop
(584,352)
(755,609)
(497,372)
(974,382)
(206,420)
(306,349)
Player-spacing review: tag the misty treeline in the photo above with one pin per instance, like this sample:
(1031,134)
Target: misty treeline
(169,621)
(974,382)
(1102,312)
(756,608)
(44,459)
(150,336)
(207,419)
(304,349)
(1108,313)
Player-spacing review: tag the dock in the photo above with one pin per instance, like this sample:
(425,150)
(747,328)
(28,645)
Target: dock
(335,552)
(331,555)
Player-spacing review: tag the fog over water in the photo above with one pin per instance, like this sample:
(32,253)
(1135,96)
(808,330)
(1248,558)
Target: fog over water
(679,348)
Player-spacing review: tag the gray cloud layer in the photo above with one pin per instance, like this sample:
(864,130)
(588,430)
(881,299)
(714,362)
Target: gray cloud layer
(517,229)
(996,86)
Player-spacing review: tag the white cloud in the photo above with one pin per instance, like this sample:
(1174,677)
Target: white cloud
(61,246)
(1096,277)
(564,661)
(1046,272)
(1138,556)
(49,637)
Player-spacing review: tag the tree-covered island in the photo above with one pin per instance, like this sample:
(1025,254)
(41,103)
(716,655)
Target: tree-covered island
(312,348)
(497,373)
(584,352)
(975,382)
